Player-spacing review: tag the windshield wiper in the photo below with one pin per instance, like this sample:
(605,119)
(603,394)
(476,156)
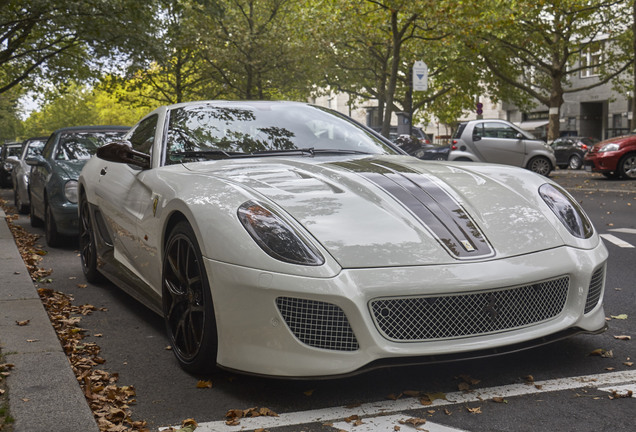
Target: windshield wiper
(298,151)
(221,154)
(306,151)
(339,151)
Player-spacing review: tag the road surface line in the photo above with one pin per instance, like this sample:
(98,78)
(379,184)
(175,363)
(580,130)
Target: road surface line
(618,242)
(383,408)
(388,423)
(624,230)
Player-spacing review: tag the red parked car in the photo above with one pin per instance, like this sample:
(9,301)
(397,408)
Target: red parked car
(614,157)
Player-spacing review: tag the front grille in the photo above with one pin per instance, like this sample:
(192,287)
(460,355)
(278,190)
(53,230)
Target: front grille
(413,319)
(318,324)
(594,292)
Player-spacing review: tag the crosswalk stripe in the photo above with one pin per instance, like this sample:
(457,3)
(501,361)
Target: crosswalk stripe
(388,423)
(624,230)
(615,240)
(385,408)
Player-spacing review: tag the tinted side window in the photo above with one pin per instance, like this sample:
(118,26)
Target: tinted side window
(498,130)
(459,131)
(143,136)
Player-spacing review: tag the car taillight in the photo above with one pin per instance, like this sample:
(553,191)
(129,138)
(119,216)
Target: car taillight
(453,147)
(583,147)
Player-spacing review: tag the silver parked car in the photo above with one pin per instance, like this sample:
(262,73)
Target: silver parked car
(21,172)
(499,141)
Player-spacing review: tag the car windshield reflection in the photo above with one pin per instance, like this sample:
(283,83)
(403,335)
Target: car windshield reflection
(82,145)
(213,132)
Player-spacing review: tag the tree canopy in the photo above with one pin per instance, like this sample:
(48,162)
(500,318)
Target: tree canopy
(143,54)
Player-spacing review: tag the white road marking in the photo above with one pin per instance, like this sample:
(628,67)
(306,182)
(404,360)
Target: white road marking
(621,390)
(624,230)
(385,408)
(618,242)
(388,423)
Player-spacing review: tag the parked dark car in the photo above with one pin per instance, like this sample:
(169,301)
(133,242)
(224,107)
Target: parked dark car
(614,157)
(54,174)
(570,151)
(21,172)
(8,156)
(413,146)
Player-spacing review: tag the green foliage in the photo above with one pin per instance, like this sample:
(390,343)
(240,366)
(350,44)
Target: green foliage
(81,105)
(10,122)
(48,41)
(533,48)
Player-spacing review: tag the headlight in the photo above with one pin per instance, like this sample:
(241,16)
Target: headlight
(609,147)
(70,191)
(276,237)
(567,210)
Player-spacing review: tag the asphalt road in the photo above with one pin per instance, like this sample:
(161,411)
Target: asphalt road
(133,343)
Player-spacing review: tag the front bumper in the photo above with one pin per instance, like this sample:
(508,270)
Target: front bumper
(604,162)
(66,218)
(254,336)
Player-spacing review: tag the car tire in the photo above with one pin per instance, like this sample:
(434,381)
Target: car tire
(53,237)
(187,302)
(87,245)
(575,162)
(19,205)
(35,221)
(627,166)
(540,165)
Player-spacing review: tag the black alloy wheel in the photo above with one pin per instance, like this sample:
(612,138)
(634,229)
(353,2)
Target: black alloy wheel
(187,302)
(88,249)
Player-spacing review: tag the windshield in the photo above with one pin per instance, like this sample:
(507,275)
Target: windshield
(82,145)
(14,150)
(34,148)
(197,132)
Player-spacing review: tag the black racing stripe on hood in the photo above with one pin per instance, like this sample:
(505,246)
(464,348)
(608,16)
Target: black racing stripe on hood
(442,215)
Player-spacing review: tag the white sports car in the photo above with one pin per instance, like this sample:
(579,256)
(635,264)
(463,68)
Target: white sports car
(283,239)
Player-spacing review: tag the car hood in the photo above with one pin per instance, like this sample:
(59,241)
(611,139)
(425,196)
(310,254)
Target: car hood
(400,211)
(69,169)
(622,141)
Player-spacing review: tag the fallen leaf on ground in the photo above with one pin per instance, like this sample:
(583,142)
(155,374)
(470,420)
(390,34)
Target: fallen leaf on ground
(620,317)
(23,323)
(476,410)
(204,384)
(413,421)
(602,353)
(623,337)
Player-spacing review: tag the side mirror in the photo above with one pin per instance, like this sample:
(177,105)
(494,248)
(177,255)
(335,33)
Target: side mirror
(35,161)
(122,152)
(520,135)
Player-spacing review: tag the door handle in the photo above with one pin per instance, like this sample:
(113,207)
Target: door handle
(103,171)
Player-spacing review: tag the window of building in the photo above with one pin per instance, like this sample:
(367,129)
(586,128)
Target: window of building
(591,59)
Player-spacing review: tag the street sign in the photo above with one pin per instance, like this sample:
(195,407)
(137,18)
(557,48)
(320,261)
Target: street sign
(420,76)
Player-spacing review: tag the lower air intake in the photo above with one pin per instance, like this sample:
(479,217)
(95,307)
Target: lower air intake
(318,324)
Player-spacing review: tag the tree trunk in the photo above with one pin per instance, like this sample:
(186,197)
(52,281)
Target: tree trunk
(395,65)
(554,105)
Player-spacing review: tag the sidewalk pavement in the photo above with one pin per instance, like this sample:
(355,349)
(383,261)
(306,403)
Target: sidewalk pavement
(44,395)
